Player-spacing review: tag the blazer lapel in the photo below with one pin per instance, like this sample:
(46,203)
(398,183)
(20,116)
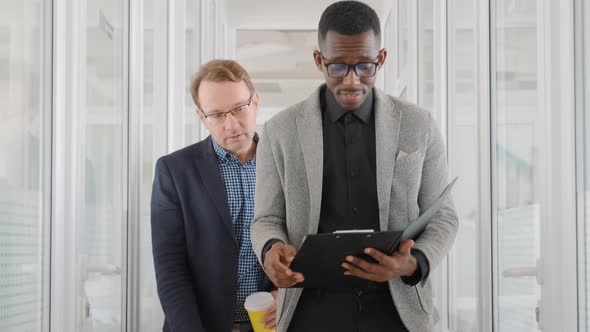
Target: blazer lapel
(209,172)
(387,126)
(309,128)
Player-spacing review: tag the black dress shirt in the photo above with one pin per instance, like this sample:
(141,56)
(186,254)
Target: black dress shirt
(349,184)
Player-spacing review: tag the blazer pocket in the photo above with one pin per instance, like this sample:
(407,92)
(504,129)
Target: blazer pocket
(425,296)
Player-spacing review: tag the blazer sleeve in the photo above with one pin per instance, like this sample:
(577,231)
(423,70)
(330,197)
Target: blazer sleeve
(438,237)
(173,276)
(269,203)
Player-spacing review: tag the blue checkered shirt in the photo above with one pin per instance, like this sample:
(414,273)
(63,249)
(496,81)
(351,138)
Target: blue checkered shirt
(239,180)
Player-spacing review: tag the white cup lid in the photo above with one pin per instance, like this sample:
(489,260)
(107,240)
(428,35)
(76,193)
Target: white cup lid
(258,301)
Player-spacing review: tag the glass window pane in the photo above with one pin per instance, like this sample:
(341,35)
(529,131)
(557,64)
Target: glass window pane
(388,71)
(25,165)
(464,154)
(584,113)
(153,142)
(426,54)
(193,127)
(403,40)
(519,131)
(105,172)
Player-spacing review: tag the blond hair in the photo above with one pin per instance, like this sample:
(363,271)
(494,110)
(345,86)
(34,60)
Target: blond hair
(220,71)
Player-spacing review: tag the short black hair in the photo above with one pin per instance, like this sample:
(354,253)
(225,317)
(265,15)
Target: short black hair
(348,18)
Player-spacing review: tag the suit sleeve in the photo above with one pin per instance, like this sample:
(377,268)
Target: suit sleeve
(173,276)
(269,204)
(438,237)
(422,269)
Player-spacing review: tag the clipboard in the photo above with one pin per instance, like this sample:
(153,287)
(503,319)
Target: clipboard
(320,255)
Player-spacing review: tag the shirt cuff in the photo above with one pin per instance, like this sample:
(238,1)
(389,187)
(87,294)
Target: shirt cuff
(267,246)
(422,269)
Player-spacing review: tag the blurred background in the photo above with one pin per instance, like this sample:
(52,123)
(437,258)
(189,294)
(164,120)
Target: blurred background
(93,92)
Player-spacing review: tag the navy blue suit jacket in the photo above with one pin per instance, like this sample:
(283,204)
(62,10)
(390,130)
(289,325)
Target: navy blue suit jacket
(194,246)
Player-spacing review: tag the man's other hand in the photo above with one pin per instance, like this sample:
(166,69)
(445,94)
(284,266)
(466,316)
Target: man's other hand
(276,265)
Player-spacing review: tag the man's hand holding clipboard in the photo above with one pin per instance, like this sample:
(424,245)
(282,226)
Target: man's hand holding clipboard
(401,263)
(386,267)
(277,263)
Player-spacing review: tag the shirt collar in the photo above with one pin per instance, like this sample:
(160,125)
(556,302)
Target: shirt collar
(226,156)
(335,112)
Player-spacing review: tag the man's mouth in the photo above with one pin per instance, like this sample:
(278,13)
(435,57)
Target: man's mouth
(351,95)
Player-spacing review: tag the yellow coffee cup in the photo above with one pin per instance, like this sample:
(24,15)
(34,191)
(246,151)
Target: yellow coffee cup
(256,304)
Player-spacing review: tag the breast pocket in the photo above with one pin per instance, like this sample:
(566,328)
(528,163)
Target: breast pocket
(408,167)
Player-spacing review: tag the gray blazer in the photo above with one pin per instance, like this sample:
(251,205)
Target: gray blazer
(411,174)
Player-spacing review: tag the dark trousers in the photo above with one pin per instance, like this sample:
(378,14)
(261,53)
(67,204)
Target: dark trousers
(367,310)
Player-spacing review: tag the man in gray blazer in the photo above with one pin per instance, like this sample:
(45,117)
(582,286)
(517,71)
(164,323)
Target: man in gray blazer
(352,157)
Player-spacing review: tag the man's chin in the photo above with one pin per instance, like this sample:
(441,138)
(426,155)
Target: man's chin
(351,103)
(351,106)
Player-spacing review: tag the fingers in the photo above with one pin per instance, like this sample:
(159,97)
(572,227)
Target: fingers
(405,246)
(286,252)
(289,251)
(269,318)
(271,325)
(276,256)
(376,254)
(270,321)
(271,310)
(387,268)
(363,264)
(382,271)
(276,265)
(280,274)
(357,272)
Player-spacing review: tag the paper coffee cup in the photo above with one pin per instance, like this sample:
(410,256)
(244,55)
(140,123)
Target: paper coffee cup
(256,304)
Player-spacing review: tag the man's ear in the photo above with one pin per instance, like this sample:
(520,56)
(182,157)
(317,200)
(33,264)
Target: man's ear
(382,57)
(256,100)
(317,58)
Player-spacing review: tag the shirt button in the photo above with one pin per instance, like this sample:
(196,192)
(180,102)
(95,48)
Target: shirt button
(353,173)
(355,211)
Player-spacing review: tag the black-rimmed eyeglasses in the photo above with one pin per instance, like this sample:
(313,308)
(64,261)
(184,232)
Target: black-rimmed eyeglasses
(361,69)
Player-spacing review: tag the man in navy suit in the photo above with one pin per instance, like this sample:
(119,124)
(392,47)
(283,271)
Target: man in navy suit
(202,207)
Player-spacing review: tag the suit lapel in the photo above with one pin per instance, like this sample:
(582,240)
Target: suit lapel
(309,128)
(387,126)
(206,164)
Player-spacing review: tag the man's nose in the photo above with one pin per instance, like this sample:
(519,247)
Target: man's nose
(351,78)
(231,122)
